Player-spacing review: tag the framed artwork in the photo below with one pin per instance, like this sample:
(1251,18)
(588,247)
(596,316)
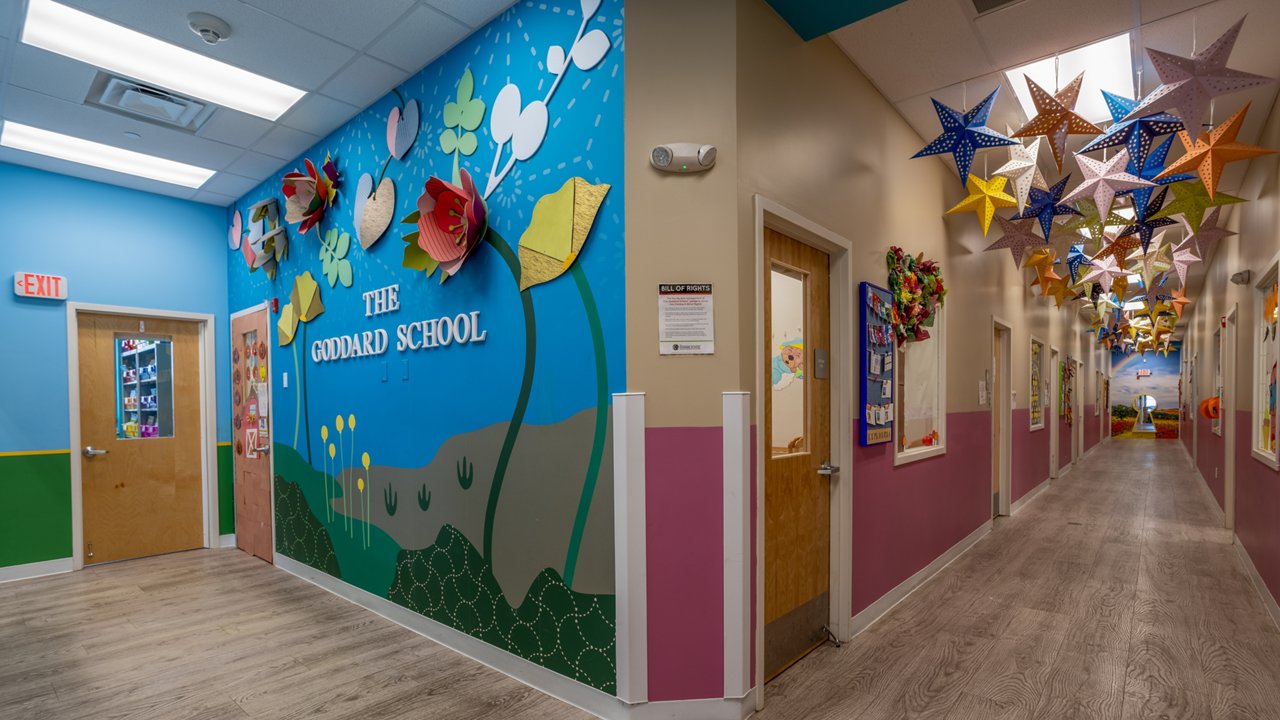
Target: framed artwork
(1037,384)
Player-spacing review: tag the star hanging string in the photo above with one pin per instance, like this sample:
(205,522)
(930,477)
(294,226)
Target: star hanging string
(1023,171)
(1188,84)
(1017,238)
(1045,205)
(1184,255)
(984,197)
(963,134)
(1056,117)
(1105,270)
(1103,179)
(1137,135)
(1209,233)
(1213,150)
(1191,200)
(1145,225)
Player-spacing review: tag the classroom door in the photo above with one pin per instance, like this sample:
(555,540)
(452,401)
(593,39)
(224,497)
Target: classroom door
(251,431)
(1001,421)
(797,471)
(141,472)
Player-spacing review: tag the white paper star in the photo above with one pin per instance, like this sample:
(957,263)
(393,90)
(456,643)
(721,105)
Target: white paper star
(1105,271)
(1023,171)
(1103,179)
(1184,255)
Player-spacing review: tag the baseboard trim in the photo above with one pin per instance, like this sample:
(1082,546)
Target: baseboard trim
(35,570)
(1264,593)
(227,541)
(889,600)
(554,684)
(1032,494)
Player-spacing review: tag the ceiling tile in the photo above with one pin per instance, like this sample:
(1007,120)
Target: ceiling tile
(364,81)
(354,24)
(234,127)
(51,74)
(229,184)
(10,19)
(66,167)
(472,12)
(253,164)
(420,38)
(260,42)
(1008,33)
(285,143)
(212,198)
(318,114)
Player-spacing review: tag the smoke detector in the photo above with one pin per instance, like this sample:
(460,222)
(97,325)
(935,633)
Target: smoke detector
(210,28)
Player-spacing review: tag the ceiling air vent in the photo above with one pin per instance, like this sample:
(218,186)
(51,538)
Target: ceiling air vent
(147,103)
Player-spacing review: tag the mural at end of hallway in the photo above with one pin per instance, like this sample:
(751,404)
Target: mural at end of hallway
(1145,394)
(450,451)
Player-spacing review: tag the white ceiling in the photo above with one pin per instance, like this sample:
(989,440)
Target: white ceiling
(345,53)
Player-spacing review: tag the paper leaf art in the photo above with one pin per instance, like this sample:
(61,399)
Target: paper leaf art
(267,243)
(963,134)
(1103,179)
(304,306)
(1190,83)
(373,209)
(461,119)
(402,128)
(308,195)
(1210,153)
(234,235)
(333,257)
(451,220)
(916,285)
(559,228)
(984,197)
(1056,117)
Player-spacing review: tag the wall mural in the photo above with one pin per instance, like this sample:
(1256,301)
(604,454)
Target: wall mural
(1146,394)
(436,443)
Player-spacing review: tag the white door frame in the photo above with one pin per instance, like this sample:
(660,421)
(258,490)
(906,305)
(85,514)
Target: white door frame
(1077,412)
(1052,418)
(271,416)
(1195,408)
(208,415)
(1227,406)
(776,216)
(1003,404)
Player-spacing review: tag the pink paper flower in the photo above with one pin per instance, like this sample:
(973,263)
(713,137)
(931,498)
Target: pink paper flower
(307,196)
(452,220)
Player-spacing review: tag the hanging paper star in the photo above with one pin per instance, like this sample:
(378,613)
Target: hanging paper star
(1149,260)
(984,197)
(1045,205)
(1059,288)
(1213,150)
(1023,171)
(1184,255)
(1137,135)
(1190,83)
(1076,258)
(1118,249)
(1209,233)
(1145,225)
(1056,118)
(1040,258)
(1150,169)
(1090,224)
(1017,238)
(1190,200)
(1179,299)
(1105,270)
(963,134)
(1103,179)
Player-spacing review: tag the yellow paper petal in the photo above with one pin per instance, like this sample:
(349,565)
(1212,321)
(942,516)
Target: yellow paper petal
(550,231)
(543,256)
(306,297)
(287,325)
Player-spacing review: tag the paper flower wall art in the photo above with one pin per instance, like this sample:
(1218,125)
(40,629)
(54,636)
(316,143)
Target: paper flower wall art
(1138,135)
(916,285)
(963,134)
(1045,205)
(985,196)
(1188,84)
(462,117)
(1056,117)
(309,194)
(451,220)
(334,247)
(1023,171)
(1211,151)
(304,306)
(373,209)
(402,127)
(236,231)
(558,230)
(267,243)
(1103,179)
(1017,238)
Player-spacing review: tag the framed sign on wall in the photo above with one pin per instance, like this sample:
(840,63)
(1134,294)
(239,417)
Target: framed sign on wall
(877,344)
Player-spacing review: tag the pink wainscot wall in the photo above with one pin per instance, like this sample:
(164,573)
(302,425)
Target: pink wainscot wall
(1030,455)
(1064,442)
(1092,427)
(1257,507)
(1212,460)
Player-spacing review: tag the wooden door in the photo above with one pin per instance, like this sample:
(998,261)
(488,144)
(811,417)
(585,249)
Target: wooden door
(140,426)
(797,405)
(251,431)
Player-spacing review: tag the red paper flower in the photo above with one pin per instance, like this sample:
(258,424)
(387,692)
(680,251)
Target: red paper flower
(451,221)
(307,196)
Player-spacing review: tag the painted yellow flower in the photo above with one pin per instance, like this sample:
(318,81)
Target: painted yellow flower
(365,459)
(337,422)
(324,433)
(332,451)
(360,484)
(351,421)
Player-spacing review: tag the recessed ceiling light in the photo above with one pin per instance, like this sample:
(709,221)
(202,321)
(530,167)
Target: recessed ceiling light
(1106,64)
(81,36)
(108,157)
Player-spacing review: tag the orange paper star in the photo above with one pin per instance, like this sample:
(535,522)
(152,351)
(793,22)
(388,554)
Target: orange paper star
(1056,118)
(1210,153)
(1178,300)
(984,197)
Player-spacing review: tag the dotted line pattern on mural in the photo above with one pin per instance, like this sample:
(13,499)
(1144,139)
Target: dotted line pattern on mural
(569,632)
(299,533)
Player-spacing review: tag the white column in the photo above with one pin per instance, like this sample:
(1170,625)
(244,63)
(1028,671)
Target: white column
(737,544)
(629,547)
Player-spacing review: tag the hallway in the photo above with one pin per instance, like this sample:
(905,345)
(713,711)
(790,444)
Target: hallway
(1114,594)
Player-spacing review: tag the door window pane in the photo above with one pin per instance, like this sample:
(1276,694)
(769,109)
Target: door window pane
(144,388)
(787,359)
(1268,345)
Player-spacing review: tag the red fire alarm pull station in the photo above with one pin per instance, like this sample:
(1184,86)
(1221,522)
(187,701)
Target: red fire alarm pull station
(35,285)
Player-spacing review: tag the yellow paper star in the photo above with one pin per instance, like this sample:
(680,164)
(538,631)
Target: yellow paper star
(984,197)
(1211,151)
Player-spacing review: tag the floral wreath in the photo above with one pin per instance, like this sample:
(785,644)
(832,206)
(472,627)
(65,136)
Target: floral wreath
(917,290)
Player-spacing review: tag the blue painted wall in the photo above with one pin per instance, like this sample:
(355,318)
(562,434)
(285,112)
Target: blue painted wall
(115,246)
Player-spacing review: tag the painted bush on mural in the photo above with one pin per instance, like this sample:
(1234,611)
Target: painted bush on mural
(437,471)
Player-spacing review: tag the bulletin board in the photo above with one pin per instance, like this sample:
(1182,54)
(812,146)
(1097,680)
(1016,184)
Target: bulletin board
(877,345)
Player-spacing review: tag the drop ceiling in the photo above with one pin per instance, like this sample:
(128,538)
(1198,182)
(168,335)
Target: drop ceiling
(346,54)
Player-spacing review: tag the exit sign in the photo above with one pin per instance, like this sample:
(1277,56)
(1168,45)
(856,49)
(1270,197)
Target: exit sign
(35,285)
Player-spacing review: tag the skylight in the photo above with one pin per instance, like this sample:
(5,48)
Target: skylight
(108,157)
(84,37)
(1106,64)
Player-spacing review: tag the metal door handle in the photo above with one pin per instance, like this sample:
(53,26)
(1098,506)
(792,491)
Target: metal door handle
(91,451)
(828,469)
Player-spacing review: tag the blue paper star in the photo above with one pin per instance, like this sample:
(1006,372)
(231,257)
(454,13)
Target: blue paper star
(1138,134)
(1153,166)
(1045,205)
(1076,258)
(1144,226)
(963,134)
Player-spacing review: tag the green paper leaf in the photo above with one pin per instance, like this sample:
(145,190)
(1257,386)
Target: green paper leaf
(344,272)
(412,237)
(448,142)
(331,273)
(343,246)
(467,144)
(411,219)
(415,258)
(466,86)
(471,115)
(452,115)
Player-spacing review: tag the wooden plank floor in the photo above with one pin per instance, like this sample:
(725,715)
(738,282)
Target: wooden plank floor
(1115,595)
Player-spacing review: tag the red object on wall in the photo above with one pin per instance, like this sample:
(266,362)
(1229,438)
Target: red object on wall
(275,306)
(1211,408)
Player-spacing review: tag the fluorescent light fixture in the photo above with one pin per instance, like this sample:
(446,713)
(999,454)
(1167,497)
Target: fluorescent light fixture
(87,38)
(1109,66)
(108,157)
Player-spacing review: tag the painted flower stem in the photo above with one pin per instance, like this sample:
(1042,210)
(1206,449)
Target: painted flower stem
(602,423)
(302,392)
(297,413)
(526,387)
